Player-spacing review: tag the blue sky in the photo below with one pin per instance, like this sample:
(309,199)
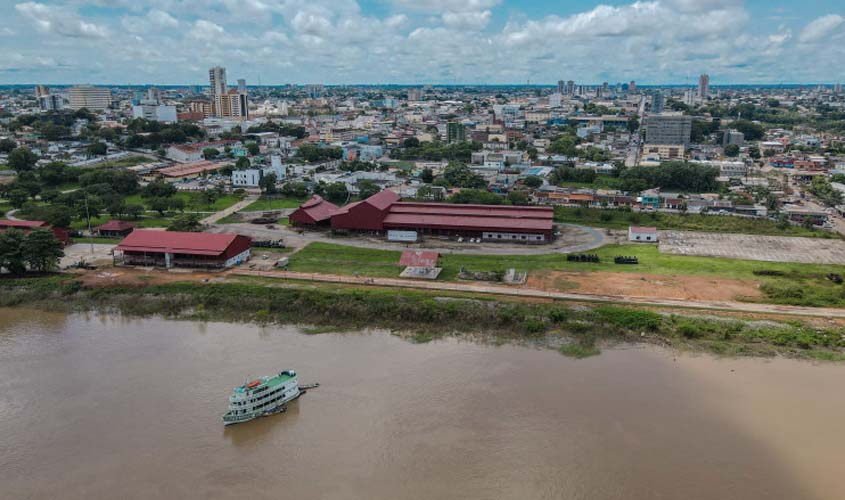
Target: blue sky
(422,41)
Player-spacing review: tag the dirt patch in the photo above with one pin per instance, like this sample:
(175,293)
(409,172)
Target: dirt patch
(127,276)
(645,285)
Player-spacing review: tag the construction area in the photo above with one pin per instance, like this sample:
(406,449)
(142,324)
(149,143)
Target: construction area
(753,247)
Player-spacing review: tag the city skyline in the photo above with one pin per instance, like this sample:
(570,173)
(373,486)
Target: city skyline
(473,42)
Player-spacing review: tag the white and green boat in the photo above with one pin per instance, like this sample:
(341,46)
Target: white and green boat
(261,397)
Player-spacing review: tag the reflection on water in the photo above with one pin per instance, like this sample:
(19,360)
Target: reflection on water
(104,407)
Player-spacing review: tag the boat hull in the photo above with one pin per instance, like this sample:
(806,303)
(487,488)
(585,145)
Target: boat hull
(228,420)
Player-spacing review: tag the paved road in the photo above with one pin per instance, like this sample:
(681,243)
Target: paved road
(580,239)
(534,293)
(229,211)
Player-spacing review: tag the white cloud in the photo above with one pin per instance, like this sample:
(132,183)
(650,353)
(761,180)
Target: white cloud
(467,20)
(447,5)
(56,20)
(162,19)
(206,30)
(820,28)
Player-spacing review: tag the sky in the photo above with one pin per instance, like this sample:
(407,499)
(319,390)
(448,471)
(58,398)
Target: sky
(422,41)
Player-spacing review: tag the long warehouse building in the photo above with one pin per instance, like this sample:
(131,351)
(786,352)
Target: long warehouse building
(384,212)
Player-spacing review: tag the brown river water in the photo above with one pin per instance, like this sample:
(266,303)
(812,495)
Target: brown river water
(104,407)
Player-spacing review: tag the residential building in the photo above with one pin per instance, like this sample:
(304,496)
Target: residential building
(703,86)
(668,129)
(89,97)
(155,112)
(733,137)
(455,132)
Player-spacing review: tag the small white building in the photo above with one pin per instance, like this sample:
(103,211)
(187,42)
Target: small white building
(642,234)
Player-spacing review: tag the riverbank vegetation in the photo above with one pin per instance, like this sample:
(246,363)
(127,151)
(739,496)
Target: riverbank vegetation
(423,316)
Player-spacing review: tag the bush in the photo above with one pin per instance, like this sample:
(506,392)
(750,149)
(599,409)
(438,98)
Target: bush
(629,318)
(534,326)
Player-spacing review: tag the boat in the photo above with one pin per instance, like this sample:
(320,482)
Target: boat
(261,397)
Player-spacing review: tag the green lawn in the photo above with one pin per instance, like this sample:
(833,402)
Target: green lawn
(193,201)
(101,241)
(338,259)
(264,204)
(618,219)
(129,161)
(151,221)
(4,207)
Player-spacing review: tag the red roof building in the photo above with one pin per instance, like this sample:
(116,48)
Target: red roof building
(365,215)
(169,249)
(384,212)
(60,233)
(114,229)
(419,258)
(313,212)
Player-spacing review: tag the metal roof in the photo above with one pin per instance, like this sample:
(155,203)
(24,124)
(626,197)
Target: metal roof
(145,240)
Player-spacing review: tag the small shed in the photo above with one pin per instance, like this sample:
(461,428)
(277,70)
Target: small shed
(114,229)
(418,258)
(642,234)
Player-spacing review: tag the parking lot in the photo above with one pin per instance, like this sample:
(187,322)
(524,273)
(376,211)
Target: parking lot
(753,247)
(82,252)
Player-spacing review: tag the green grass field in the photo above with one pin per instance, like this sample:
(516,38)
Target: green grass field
(617,219)
(101,241)
(129,161)
(193,201)
(267,204)
(339,259)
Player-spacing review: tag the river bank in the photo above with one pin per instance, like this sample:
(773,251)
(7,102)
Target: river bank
(576,330)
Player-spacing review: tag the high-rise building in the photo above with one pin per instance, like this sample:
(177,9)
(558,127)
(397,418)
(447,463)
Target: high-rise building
(153,95)
(88,97)
(605,88)
(51,102)
(703,86)
(455,132)
(415,94)
(837,88)
(42,90)
(217,80)
(668,129)
(570,88)
(657,103)
(555,100)
(241,85)
(233,104)
(632,87)
(561,86)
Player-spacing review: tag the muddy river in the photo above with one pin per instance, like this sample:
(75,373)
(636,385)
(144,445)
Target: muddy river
(103,407)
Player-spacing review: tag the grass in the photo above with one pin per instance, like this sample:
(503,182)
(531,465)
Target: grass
(128,161)
(102,241)
(331,258)
(620,219)
(265,204)
(143,222)
(4,207)
(193,201)
(427,315)
(578,350)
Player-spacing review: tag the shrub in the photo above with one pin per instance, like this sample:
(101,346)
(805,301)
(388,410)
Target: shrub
(629,318)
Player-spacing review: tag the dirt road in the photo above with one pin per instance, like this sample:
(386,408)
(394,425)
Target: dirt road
(747,307)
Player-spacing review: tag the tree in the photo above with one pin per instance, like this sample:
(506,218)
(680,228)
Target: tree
(754,152)
(267,183)
(242,163)
(295,189)
(186,223)
(459,175)
(158,189)
(367,188)
(97,149)
(17,197)
(427,175)
(533,181)
(159,204)
(751,131)
(7,145)
(732,150)
(209,153)
(57,216)
(252,148)
(177,204)
(42,250)
(133,211)
(518,198)
(411,142)
(22,159)
(336,192)
(11,251)
(53,173)
(53,132)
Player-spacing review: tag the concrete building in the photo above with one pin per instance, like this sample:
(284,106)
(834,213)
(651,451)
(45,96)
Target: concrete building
(89,97)
(657,103)
(642,234)
(733,137)
(668,129)
(703,86)
(155,112)
(455,132)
